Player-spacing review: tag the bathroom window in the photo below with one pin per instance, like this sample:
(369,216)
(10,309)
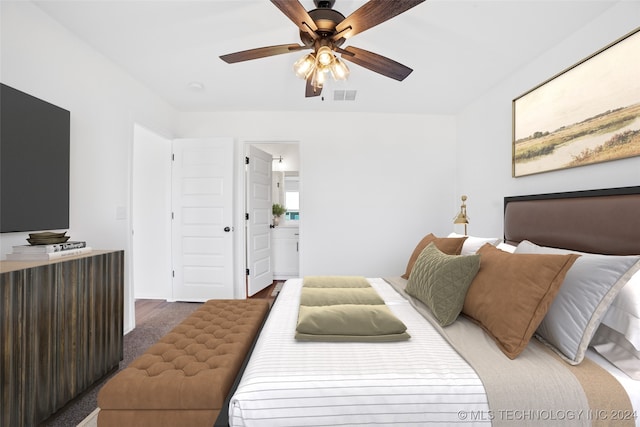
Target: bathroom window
(292,198)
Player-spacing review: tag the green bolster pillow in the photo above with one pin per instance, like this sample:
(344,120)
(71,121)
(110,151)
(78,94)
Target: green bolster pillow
(335,282)
(337,296)
(349,320)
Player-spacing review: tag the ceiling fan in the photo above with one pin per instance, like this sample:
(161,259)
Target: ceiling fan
(324,30)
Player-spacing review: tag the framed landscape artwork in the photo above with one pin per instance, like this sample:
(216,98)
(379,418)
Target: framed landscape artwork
(589,113)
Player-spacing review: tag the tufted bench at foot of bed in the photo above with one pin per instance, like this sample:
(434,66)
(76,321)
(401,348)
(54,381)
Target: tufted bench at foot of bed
(184,378)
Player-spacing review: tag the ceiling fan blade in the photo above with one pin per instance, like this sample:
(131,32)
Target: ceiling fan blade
(261,52)
(298,15)
(370,14)
(378,63)
(311,91)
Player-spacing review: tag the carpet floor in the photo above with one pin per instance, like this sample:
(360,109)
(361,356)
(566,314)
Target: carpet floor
(135,343)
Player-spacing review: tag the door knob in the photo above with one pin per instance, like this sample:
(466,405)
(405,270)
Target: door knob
(227,229)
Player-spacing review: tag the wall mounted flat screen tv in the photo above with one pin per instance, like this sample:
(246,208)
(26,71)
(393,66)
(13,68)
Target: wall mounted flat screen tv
(34,163)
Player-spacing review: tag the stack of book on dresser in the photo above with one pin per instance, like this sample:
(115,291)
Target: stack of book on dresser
(48,246)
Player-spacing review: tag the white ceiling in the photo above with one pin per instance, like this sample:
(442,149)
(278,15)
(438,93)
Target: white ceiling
(458,49)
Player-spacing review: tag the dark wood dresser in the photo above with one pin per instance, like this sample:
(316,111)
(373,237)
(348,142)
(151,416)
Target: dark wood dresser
(62,328)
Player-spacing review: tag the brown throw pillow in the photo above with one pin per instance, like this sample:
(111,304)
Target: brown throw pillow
(511,294)
(447,245)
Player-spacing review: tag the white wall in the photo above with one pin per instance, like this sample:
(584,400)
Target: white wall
(484,130)
(150,207)
(43,59)
(371,185)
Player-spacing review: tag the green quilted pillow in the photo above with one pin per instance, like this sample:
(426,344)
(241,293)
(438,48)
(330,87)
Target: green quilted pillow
(441,281)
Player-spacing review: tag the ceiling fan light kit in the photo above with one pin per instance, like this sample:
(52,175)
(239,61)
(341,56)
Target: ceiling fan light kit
(319,65)
(324,30)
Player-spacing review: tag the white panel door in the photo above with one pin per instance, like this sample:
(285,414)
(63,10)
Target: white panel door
(202,204)
(258,226)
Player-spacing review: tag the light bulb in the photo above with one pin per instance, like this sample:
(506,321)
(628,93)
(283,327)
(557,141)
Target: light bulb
(339,70)
(325,56)
(319,77)
(304,66)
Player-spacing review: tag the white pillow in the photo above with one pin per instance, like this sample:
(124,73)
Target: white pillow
(472,244)
(588,290)
(613,346)
(624,314)
(506,247)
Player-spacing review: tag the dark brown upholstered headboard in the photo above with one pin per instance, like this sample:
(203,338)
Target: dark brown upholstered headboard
(599,221)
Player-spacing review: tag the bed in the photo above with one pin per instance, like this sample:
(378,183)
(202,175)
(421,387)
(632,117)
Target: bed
(569,357)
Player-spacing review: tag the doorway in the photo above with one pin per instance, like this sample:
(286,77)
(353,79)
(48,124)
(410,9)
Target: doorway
(196,262)
(282,242)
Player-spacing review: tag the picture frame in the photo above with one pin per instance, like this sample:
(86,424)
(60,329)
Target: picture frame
(586,114)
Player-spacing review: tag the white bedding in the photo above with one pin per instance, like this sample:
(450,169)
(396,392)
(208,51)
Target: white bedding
(290,383)
(415,382)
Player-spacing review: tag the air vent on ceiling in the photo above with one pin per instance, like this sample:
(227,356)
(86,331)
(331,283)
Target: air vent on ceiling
(344,95)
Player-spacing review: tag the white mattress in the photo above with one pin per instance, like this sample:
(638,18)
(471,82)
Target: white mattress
(290,383)
(415,382)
